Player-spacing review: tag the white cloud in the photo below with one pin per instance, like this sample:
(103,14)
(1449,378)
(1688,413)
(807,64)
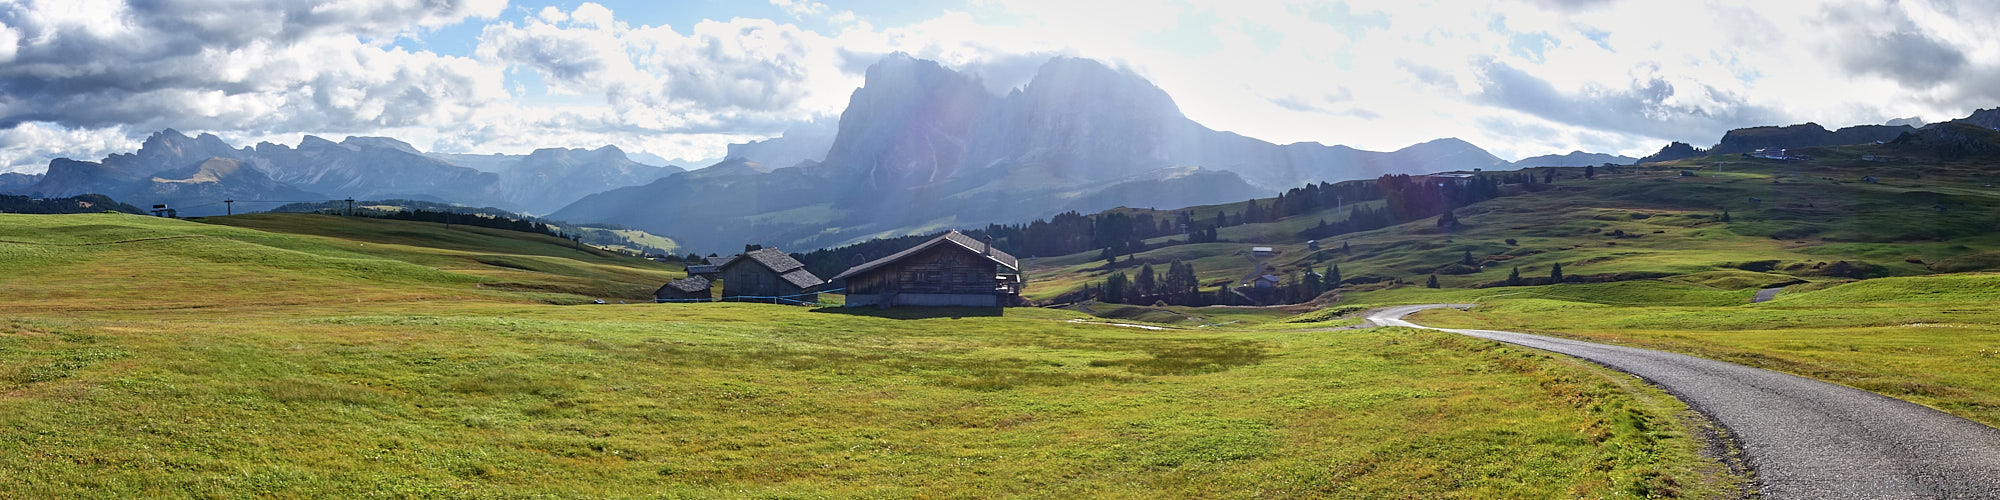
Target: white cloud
(10,43)
(1520,77)
(29,146)
(800,8)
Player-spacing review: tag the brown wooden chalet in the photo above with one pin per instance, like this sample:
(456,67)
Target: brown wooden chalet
(689,289)
(767,275)
(949,270)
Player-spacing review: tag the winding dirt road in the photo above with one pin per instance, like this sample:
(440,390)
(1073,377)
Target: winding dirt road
(1802,437)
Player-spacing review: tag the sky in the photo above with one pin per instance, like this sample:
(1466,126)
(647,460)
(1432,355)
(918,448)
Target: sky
(681,79)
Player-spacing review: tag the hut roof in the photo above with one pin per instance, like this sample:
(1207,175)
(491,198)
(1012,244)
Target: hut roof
(689,284)
(953,238)
(788,268)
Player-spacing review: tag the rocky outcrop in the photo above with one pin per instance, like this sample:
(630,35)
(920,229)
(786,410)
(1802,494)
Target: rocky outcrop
(1674,151)
(1805,135)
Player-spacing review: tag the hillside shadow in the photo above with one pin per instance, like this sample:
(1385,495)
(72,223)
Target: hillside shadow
(915,312)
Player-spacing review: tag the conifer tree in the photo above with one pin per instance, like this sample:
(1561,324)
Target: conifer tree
(1514,278)
(1332,277)
(1467,259)
(1433,283)
(1143,285)
(1115,288)
(1556,273)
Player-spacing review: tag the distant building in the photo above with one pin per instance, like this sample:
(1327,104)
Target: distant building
(767,275)
(1312,244)
(1263,251)
(1460,180)
(1775,154)
(710,267)
(691,288)
(1870,179)
(1267,281)
(950,270)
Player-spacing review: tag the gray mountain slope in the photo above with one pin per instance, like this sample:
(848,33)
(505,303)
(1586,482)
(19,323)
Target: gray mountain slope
(921,147)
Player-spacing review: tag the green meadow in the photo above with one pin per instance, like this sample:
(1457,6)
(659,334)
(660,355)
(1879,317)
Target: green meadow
(1886,268)
(315,356)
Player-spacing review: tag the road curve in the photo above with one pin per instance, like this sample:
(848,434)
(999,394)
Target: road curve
(1803,438)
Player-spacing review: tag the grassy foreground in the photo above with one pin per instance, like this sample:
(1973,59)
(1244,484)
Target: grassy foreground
(137,360)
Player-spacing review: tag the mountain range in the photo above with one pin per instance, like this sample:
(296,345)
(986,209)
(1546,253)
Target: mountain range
(922,147)
(919,147)
(195,173)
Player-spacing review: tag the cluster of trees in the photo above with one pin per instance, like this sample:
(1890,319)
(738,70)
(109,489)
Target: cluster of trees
(1297,289)
(1177,286)
(464,219)
(1407,198)
(1410,198)
(87,203)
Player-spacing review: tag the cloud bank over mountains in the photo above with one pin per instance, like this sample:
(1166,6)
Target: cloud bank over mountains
(82,78)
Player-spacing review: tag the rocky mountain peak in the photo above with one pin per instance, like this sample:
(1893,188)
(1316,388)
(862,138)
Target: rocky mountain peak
(360,142)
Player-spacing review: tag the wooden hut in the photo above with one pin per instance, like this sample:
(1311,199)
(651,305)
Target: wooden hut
(692,288)
(950,270)
(767,275)
(710,267)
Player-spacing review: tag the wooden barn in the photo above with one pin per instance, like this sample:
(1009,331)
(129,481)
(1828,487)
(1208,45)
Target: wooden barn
(949,270)
(767,275)
(710,267)
(687,289)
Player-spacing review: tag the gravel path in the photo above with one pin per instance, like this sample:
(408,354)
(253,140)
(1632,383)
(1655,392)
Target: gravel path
(1766,295)
(1803,438)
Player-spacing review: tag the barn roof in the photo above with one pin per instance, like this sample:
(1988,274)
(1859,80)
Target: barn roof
(953,238)
(689,284)
(788,268)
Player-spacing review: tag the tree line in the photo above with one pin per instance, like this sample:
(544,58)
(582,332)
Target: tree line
(87,203)
(1115,233)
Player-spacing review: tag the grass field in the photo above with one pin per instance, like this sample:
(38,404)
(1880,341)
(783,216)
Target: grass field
(1885,281)
(298,355)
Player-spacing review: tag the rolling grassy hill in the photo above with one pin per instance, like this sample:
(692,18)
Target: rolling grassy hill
(1802,221)
(116,261)
(1884,266)
(301,355)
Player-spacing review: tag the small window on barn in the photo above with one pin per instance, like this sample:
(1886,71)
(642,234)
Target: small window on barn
(958,277)
(909,276)
(933,276)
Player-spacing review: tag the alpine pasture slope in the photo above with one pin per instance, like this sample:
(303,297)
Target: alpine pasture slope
(1885,267)
(309,355)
